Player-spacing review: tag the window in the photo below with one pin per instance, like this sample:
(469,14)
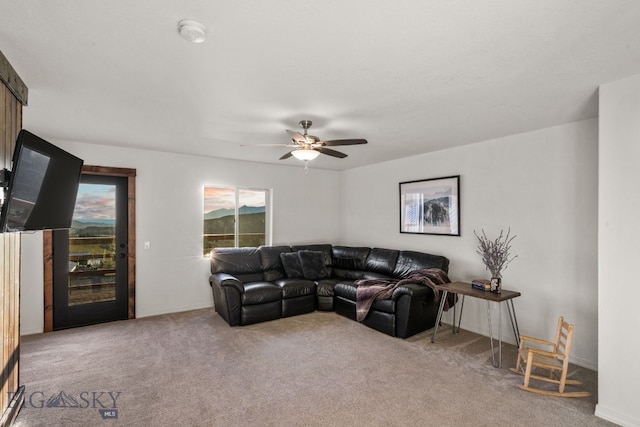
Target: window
(235,217)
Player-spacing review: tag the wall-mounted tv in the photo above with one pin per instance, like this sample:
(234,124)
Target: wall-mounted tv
(42,187)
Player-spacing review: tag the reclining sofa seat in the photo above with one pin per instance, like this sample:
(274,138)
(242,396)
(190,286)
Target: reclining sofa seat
(252,285)
(241,296)
(412,307)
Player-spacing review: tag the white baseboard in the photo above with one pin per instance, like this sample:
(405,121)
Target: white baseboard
(507,337)
(616,417)
(39,330)
(169,310)
(30,331)
(584,363)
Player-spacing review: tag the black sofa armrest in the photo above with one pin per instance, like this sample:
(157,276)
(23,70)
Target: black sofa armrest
(416,309)
(225,279)
(227,291)
(411,290)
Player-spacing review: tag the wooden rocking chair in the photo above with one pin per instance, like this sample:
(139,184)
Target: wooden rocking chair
(555,360)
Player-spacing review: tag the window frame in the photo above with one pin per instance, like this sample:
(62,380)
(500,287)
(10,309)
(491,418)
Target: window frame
(237,204)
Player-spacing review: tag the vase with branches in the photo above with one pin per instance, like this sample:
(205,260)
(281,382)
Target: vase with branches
(496,255)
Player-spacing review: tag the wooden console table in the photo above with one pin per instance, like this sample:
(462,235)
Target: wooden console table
(465,289)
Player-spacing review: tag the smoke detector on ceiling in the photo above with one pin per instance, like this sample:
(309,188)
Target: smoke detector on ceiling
(192,31)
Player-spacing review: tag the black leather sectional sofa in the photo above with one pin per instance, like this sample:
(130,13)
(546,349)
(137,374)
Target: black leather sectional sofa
(253,285)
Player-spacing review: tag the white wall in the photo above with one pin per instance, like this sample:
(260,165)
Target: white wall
(542,184)
(173,275)
(619,252)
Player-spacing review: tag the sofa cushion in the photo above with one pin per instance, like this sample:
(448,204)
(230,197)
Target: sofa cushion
(349,258)
(313,265)
(348,291)
(235,261)
(370,275)
(291,264)
(410,261)
(260,293)
(353,264)
(382,261)
(271,262)
(293,288)
(242,263)
(325,287)
(348,262)
(347,274)
(325,248)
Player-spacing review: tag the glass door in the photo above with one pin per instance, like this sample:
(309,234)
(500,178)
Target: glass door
(90,259)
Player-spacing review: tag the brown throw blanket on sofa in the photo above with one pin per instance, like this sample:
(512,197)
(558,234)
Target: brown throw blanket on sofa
(369,290)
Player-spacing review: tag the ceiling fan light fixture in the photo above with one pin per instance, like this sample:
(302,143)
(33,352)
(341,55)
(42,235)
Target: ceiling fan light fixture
(305,154)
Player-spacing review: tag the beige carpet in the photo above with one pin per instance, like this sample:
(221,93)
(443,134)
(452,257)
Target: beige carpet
(319,369)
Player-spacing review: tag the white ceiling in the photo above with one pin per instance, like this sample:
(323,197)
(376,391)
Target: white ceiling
(410,76)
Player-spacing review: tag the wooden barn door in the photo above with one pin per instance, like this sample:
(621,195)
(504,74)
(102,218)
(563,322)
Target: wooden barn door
(13,94)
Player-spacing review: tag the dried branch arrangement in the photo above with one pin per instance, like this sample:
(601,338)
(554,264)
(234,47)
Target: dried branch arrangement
(495,253)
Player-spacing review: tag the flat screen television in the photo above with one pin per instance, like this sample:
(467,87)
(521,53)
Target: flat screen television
(42,187)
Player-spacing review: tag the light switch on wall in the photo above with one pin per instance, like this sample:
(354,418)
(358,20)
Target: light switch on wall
(147,245)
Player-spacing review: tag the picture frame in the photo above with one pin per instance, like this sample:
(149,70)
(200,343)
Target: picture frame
(431,206)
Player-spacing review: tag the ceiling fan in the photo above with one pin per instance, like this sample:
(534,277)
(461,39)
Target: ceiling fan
(307,147)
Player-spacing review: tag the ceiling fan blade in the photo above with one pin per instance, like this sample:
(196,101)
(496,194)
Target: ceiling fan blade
(330,152)
(286,156)
(344,142)
(268,145)
(296,136)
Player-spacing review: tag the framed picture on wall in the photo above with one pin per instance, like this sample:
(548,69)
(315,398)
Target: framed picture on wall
(431,206)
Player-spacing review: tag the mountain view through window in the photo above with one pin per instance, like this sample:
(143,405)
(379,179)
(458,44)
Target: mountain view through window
(234,218)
